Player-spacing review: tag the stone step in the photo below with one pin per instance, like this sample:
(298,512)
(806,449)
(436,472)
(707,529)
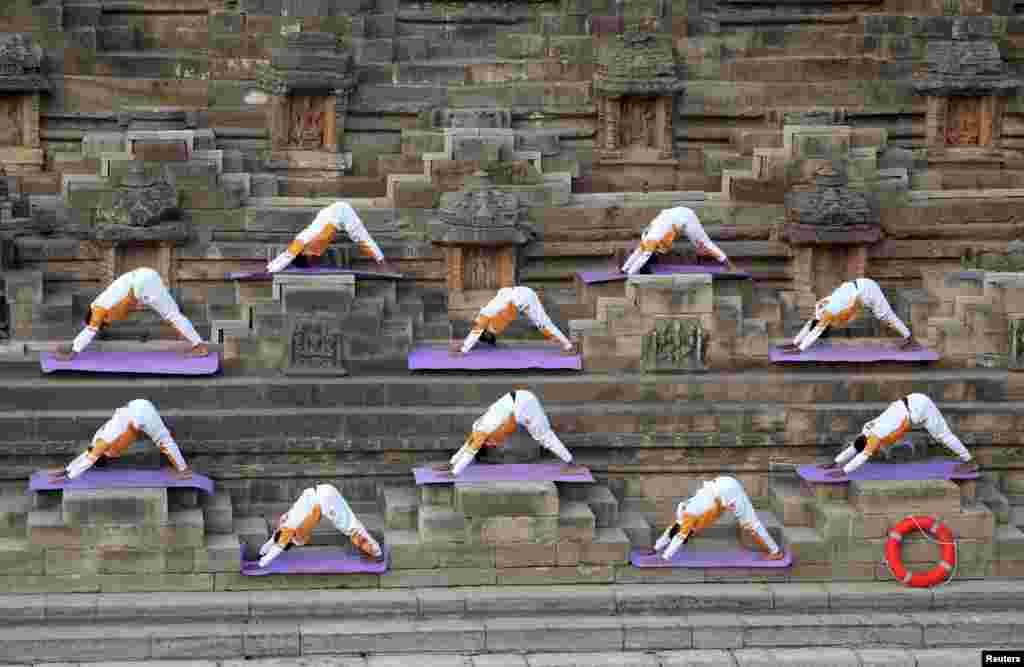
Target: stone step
(639,532)
(489,499)
(14,515)
(800,657)
(181,529)
(531,634)
(401,506)
(599,498)
(232,391)
(789,504)
(702,424)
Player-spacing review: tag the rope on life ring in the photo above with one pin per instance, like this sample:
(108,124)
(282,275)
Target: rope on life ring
(930,526)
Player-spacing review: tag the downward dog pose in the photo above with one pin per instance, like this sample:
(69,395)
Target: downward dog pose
(141,286)
(296,525)
(662,231)
(500,421)
(704,508)
(839,308)
(505,307)
(314,239)
(118,434)
(889,427)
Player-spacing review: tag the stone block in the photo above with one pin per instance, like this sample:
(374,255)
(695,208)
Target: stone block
(838,522)
(436,636)
(513,529)
(114,506)
(439,578)
(527,555)
(185,561)
(974,629)
(439,524)
(1009,543)
(19,557)
(71,561)
(800,657)
(646,633)
(547,601)
(218,513)
(400,508)
(118,560)
(407,553)
(184,529)
(223,553)
(940,497)
(437,495)
(576,522)
(806,544)
(610,546)
(252,532)
(697,658)
(492,499)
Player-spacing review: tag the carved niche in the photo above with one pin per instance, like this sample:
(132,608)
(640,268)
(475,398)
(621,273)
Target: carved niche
(636,86)
(963,121)
(21,82)
(674,345)
(831,211)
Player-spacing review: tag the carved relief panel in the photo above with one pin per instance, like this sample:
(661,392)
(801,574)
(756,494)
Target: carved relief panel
(305,122)
(10,120)
(963,121)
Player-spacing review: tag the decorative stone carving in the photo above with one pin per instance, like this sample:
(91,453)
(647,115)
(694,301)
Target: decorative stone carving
(316,347)
(963,121)
(143,209)
(470,118)
(673,345)
(480,214)
(310,81)
(21,62)
(830,211)
(636,86)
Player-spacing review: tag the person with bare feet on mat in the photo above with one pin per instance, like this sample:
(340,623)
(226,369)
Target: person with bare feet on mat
(839,308)
(501,311)
(296,525)
(887,429)
(515,408)
(705,507)
(141,287)
(314,239)
(118,434)
(662,232)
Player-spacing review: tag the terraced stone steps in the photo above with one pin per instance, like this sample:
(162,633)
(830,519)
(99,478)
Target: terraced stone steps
(499,621)
(233,390)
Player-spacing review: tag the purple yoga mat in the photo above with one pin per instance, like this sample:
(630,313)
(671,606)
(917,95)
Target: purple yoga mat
(504,472)
(591,277)
(300,561)
(865,353)
(685,558)
(126,478)
(889,472)
(256,276)
(485,357)
(140,363)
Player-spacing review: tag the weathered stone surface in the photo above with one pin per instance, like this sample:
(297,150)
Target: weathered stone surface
(114,506)
(456,636)
(840,657)
(506,499)
(539,634)
(697,658)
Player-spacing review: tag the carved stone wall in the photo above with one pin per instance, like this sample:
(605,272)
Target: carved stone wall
(316,346)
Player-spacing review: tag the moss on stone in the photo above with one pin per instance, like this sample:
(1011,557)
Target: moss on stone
(926,488)
(518,46)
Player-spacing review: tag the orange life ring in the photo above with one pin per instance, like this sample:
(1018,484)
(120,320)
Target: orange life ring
(948,554)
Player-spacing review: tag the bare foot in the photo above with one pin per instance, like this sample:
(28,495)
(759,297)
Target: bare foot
(650,552)
(779,555)
(442,467)
(828,466)
(64,353)
(909,345)
(58,475)
(455,349)
(198,351)
(966,467)
(181,474)
(789,348)
(835,474)
(572,469)
(569,351)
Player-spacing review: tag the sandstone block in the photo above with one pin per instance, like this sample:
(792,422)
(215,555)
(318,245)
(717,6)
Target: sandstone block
(491,499)
(441,495)
(218,516)
(527,555)
(514,529)
(439,524)
(223,553)
(184,529)
(549,576)
(119,506)
(406,551)
(540,634)
(18,556)
(116,560)
(400,508)
(610,546)
(576,522)
(438,578)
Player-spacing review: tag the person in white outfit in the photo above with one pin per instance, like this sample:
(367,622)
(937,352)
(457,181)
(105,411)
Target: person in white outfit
(141,287)
(315,239)
(885,430)
(705,507)
(840,307)
(514,409)
(296,525)
(502,310)
(663,230)
(118,434)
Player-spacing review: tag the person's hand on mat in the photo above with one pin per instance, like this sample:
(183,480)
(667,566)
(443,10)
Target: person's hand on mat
(966,467)
(829,466)
(651,551)
(569,351)
(778,555)
(272,553)
(181,474)
(58,475)
(572,469)
(455,349)
(835,474)
(198,351)
(790,348)
(280,262)
(65,353)
(266,546)
(442,467)
(909,344)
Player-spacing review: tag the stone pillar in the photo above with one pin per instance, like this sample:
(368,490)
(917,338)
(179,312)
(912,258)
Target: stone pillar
(935,126)
(611,138)
(30,120)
